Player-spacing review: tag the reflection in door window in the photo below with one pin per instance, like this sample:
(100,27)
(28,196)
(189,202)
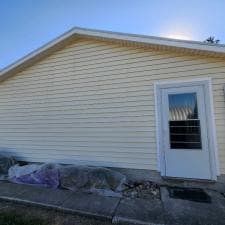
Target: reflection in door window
(184,123)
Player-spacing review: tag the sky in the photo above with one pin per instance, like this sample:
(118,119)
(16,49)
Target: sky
(28,24)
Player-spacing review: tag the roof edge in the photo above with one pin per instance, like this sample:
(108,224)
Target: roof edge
(146,39)
(142,39)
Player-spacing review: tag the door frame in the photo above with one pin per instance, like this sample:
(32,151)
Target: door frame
(213,149)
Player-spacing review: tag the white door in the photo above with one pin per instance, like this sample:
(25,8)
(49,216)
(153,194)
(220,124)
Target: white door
(184,128)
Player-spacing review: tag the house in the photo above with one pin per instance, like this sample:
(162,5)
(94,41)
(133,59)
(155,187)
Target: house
(118,100)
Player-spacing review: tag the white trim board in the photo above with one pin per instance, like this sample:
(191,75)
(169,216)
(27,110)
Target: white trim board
(211,122)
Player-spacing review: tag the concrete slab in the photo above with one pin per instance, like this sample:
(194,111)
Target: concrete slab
(218,199)
(122,211)
(186,212)
(32,194)
(93,205)
(11,190)
(139,211)
(64,200)
(45,196)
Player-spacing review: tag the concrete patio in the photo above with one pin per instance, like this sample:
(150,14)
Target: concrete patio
(121,210)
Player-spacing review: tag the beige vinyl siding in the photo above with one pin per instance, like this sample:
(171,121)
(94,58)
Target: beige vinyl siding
(93,103)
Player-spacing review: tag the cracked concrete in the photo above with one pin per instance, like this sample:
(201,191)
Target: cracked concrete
(121,210)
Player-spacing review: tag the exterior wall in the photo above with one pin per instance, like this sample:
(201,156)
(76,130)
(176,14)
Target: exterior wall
(93,103)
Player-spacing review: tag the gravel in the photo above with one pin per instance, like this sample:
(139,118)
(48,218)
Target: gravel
(144,189)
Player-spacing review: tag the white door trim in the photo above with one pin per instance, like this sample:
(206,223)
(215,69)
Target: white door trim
(213,149)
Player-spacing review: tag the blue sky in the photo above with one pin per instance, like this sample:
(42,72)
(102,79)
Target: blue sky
(28,24)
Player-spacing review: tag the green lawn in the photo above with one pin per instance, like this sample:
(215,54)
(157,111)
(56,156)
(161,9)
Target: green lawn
(12,219)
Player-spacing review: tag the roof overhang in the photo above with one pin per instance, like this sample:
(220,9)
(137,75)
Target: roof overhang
(165,44)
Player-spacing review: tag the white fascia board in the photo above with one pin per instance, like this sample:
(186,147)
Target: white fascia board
(194,45)
(143,39)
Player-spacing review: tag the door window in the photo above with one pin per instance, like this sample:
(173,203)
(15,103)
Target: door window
(184,122)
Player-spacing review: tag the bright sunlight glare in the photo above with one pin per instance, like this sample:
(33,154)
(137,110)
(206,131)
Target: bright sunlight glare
(179,36)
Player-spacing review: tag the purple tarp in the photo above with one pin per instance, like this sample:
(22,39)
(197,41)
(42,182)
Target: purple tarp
(45,175)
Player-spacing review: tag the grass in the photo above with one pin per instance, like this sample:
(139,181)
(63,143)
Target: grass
(12,213)
(13,219)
